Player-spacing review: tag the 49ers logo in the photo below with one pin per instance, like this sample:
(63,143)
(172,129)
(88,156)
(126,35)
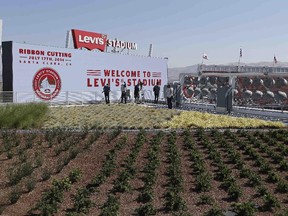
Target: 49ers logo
(46,83)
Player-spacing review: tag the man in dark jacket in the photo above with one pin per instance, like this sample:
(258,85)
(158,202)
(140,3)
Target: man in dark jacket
(106,91)
(136,93)
(156,90)
(123,92)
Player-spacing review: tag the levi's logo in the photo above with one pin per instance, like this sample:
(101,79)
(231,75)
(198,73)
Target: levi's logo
(89,40)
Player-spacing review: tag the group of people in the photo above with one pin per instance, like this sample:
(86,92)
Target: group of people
(138,91)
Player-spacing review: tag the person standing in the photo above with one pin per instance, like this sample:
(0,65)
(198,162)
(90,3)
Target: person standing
(156,90)
(136,93)
(169,95)
(123,92)
(140,85)
(106,91)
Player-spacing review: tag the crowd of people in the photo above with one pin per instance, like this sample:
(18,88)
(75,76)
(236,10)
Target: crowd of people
(139,93)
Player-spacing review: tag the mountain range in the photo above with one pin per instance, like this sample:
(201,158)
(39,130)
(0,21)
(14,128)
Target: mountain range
(173,73)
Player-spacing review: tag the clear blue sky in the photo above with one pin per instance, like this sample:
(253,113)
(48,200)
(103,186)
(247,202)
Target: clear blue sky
(181,30)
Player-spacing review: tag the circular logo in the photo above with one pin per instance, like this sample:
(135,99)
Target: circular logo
(46,83)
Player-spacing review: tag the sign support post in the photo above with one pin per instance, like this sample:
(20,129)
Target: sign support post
(1,79)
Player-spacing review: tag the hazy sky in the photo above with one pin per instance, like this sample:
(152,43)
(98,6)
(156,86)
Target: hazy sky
(181,30)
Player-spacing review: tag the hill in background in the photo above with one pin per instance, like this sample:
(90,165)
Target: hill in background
(173,73)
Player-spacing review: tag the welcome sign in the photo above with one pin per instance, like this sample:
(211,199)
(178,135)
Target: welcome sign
(48,71)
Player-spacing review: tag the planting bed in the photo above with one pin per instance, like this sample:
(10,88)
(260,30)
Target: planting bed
(189,172)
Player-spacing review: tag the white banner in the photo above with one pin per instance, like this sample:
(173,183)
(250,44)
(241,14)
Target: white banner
(49,71)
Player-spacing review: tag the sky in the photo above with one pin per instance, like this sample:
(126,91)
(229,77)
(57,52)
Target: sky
(181,30)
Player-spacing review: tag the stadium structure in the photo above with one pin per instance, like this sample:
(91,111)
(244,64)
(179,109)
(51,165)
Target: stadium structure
(251,89)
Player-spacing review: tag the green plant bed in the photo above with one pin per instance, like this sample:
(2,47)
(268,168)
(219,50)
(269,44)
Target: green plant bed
(22,116)
(133,116)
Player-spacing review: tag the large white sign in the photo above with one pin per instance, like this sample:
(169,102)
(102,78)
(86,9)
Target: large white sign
(47,71)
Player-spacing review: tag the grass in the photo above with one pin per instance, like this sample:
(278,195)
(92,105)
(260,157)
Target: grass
(189,119)
(126,116)
(131,116)
(22,116)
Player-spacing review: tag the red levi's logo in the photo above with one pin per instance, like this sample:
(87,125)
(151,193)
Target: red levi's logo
(89,40)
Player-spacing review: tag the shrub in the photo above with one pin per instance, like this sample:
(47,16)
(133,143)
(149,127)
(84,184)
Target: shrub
(49,201)
(29,144)
(58,150)
(16,175)
(74,175)
(214,211)
(199,167)
(254,180)
(62,185)
(52,197)
(222,173)
(9,154)
(283,165)
(82,203)
(14,195)
(244,209)
(174,202)
(111,207)
(30,184)
(23,156)
(270,202)
(205,199)
(282,186)
(146,196)
(146,209)
(245,172)
(38,159)
(203,182)
(98,180)
(73,152)
(121,184)
(228,182)
(265,167)
(234,192)
(272,177)
(262,190)
(46,173)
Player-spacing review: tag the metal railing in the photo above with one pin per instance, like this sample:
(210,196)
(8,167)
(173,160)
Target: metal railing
(70,97)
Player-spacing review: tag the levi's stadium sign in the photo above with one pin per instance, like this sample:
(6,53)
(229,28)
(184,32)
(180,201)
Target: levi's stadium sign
(89,40)
(93,40)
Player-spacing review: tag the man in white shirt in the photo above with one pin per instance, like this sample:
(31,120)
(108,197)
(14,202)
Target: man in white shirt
(169,95)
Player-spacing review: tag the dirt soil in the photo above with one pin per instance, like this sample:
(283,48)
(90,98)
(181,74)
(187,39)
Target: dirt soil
(91,157)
